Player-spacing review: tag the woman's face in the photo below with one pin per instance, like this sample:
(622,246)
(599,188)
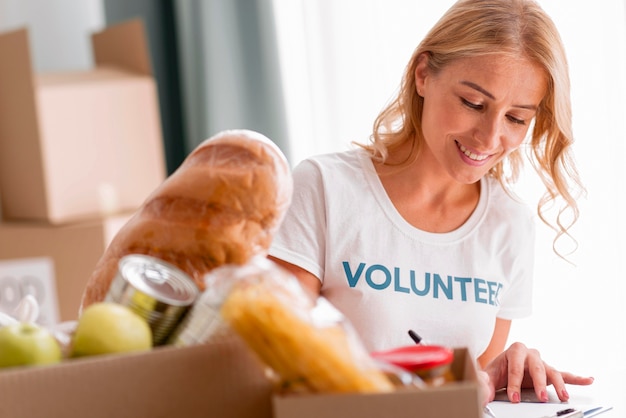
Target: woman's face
(477,110)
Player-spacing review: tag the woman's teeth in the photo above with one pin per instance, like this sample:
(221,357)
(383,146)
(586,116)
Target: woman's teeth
(471,155)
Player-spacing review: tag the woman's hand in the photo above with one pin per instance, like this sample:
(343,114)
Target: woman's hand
(521,367)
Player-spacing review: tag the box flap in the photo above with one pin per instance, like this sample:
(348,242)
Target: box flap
(123,45)
(82,79)
(18,119)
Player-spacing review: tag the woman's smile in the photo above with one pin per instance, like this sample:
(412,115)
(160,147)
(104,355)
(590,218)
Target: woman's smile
(474,157)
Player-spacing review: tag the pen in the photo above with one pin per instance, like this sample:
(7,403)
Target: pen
(489,412)
(596,411)
(414,336)
(568,413)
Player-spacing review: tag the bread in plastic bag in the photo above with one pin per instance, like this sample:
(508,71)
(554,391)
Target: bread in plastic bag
(221,206)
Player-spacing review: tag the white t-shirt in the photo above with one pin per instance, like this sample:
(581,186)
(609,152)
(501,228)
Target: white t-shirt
(387,276)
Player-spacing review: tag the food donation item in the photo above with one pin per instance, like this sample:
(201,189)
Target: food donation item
(110,328)
(221,206)
(27,344)
(155,290)
(304,340)
(430,362)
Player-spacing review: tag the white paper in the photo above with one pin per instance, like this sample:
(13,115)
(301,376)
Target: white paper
(531,408)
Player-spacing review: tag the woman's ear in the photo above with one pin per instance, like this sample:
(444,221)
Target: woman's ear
(421,72)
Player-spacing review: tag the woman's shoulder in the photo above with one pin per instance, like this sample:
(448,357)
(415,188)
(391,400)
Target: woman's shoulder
(333,163)
(505,203)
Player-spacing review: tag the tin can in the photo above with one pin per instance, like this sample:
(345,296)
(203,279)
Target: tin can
(202,324)
(159,292)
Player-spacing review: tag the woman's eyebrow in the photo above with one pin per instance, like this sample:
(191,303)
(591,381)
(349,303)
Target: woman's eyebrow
(491,96)
(478,88)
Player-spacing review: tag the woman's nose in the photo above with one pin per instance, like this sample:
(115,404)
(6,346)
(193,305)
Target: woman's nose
(488,131)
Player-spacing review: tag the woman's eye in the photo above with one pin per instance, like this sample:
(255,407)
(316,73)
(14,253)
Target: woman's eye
(471,105)
(516,120)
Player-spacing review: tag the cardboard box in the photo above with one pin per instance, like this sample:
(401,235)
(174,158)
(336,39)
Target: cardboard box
(452,400)
(221,379)
(75,249)
(84,143)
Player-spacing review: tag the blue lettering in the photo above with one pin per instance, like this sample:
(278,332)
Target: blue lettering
(493,292)
(374,285)
(478,289)
(353,279)
(497,296)
(396,281)
(417,291)
(379,277)
(438,284)
(463,281)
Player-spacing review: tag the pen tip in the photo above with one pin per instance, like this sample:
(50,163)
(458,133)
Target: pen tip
(416,338)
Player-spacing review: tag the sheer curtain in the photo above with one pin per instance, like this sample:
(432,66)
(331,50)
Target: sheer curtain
(342,60)
(229,69)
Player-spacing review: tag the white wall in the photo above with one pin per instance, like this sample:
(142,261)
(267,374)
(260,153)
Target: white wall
(59,30)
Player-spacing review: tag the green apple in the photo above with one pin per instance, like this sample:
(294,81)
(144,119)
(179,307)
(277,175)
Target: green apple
(108,328)
(27,344)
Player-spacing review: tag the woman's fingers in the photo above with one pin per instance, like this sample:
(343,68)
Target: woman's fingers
(520,367)
(556,378)
(537,375)
(515,358)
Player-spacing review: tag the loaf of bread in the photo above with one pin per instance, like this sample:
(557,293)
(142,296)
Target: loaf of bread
(221,206)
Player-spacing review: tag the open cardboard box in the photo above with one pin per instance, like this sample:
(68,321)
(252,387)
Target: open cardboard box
(79,144)
(219,379)
(459,399)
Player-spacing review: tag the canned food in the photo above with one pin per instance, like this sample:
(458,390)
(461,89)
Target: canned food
(156,290)
(202,323)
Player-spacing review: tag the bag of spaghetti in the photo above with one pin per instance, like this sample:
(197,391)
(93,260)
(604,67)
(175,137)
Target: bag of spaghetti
(306,342)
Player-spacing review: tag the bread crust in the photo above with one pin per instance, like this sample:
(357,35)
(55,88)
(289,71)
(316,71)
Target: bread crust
(221,206)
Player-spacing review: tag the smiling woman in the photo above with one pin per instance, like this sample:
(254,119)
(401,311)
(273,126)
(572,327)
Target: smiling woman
(338,76)
(486,118)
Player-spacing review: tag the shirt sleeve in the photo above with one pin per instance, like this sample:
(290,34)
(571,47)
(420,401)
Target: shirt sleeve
(516,302)
(300,239)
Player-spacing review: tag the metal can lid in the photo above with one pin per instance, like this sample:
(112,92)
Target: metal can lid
(159,279)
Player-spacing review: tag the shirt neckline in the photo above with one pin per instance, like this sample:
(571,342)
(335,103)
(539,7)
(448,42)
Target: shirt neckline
(405,227)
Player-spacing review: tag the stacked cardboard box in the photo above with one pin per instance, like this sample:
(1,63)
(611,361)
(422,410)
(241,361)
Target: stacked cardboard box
(79,151)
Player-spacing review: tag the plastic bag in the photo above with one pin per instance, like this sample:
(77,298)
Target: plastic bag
(306,342)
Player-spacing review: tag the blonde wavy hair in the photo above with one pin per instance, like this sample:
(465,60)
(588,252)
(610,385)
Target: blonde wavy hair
(481,27)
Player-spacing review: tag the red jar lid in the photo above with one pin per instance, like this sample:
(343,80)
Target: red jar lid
(417,357)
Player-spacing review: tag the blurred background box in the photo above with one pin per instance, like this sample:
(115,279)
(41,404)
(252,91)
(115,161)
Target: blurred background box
(79,143)
(74,250)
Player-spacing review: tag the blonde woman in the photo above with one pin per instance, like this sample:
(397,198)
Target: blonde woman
(419,228)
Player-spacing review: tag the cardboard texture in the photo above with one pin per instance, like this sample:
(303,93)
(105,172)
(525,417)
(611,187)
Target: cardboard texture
(75,249)
(79,144)
(220,379)
(452,400)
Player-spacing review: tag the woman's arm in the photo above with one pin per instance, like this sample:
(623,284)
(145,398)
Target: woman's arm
(307,280)
(497,343)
